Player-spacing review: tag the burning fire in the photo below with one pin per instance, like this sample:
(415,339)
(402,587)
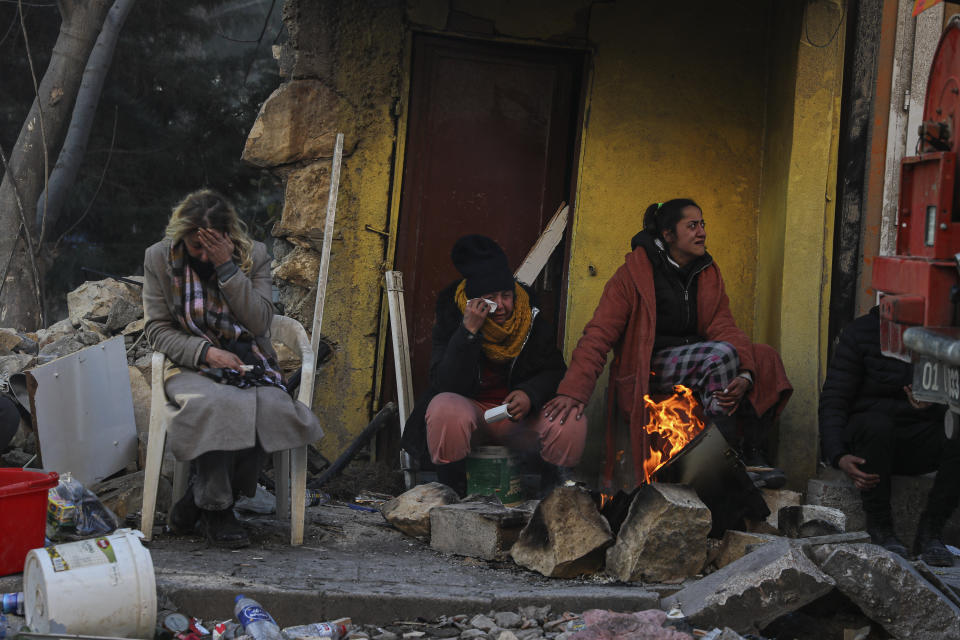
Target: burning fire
(672,424)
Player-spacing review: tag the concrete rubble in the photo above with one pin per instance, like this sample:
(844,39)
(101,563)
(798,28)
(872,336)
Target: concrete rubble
(807,521)
(476,529)
(566,536)
(664,538)
(890,591)
(750,593)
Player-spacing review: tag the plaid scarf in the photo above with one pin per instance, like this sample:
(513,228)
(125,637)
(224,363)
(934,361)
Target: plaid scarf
(201,310)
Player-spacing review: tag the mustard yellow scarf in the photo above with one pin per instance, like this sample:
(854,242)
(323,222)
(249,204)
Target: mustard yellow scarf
(503,343)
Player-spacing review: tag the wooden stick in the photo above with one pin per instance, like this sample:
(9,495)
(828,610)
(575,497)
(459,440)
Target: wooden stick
(543,248)
(327,242)
(401,345)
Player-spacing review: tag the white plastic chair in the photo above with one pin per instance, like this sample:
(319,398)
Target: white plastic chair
(291,463)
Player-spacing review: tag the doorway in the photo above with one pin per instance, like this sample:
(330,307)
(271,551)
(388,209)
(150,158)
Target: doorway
(491,148)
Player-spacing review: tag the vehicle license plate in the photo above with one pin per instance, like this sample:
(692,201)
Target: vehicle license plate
(935,381)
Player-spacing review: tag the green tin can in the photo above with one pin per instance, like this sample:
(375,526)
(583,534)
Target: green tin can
(493,470)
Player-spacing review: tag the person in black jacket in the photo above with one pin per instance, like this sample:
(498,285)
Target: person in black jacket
(490,348)
(871,426)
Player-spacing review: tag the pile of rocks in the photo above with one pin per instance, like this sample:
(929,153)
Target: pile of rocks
(747,581)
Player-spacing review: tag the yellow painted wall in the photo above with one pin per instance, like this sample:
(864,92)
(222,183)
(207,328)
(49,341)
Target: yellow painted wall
(807,213)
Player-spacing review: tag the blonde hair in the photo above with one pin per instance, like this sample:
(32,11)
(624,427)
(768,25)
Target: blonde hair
(208,209)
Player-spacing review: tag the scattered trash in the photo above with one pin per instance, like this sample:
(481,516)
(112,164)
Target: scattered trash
(373,498)
(256,622)
(226,630)
(13,603)
(8,628)
(74,512)
(176,623)
(316,497)
(88,586)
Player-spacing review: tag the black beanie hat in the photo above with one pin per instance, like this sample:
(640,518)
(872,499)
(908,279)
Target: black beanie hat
(482,262)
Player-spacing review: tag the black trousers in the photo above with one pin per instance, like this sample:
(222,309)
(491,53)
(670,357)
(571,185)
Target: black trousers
(9,421)
(219,477)
(903,445)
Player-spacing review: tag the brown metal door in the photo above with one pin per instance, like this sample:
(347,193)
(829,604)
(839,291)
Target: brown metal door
(490,149)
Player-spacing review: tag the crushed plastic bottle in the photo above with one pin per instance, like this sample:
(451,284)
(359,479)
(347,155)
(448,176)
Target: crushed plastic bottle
(257,623)
(333,631)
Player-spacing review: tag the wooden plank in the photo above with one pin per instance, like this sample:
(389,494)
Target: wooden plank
(327,242)
(401,345)
(401,360)
(543,248)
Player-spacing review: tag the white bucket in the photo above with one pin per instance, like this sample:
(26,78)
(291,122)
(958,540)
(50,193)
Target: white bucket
(101,586)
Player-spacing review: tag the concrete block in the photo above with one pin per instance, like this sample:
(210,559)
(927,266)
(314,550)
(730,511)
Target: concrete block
(737,544)
(806,521)
(475,529)
(750,593)
(890,591)
(565,537)
(832,488)
(778,498)
(664,536)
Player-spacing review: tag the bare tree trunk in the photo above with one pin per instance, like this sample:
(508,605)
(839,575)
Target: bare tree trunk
(64,173)
(81,21)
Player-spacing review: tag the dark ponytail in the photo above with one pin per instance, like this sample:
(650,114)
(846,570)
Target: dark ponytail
(664,216)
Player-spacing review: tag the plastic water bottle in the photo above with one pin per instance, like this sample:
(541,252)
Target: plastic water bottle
(315,630)
(8,628)
(12,603)
(256,622)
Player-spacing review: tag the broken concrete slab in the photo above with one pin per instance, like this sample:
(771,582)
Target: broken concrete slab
(851,537)
(95,299)
(475,529)
(410,511)
(889,590)
(807,521)
(60,347)
(53,332)
(736,544)
(122,313)
(750,593)
(664,536)
(134,327)
(565,537)
(9,340)
(15,363)
(779,498)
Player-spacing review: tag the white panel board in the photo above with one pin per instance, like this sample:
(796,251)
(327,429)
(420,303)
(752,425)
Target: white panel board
(84,412)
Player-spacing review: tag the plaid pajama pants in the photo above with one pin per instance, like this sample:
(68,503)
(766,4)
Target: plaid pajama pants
(704,366)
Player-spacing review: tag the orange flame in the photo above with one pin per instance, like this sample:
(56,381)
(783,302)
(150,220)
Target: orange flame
(673,424)
(604,499)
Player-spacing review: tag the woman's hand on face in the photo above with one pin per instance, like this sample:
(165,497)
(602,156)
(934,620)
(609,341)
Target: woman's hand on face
(219,246)
(222,359)
(518,405)
(475,314)
(729,399)
(563,407)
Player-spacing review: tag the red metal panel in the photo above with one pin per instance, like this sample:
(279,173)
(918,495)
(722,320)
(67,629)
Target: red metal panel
(926,227)
(931,280)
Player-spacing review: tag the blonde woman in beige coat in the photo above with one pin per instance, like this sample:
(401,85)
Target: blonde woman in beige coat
(207,301)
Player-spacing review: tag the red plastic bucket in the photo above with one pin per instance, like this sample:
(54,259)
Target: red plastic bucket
(23,515)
